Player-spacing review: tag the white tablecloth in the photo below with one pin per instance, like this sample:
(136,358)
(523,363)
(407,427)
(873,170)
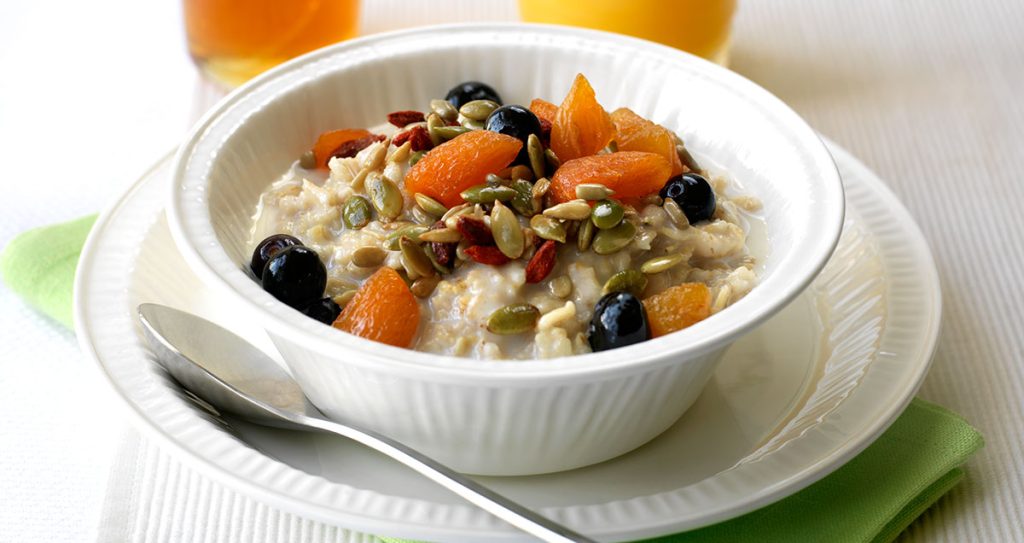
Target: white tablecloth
(927,93)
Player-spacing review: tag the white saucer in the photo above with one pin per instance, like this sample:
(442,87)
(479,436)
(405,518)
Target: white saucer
(790,403)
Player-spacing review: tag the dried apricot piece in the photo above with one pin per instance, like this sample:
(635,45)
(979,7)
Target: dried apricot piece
(383,309)
(543,109)
(332,139)
(635,133)
(677,307)
(581,127)
(460,163)
(630,174)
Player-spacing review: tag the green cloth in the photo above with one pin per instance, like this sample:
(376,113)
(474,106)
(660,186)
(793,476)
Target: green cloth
(872,498)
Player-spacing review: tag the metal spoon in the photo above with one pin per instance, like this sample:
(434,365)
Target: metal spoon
(229,373)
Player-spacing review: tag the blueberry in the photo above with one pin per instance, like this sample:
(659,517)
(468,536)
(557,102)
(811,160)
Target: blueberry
(295,276)
(469,91)
(323,310)
(693,194)
(268,248)
(619,320)
(515,121)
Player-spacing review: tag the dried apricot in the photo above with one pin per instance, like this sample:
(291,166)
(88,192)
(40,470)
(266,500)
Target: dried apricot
(581,127)
(635,133)
(383,309)
(331,140)
(460,163)
(630,174)
(677,307)
(543,109)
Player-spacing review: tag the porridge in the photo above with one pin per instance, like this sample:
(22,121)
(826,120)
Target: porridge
(505,232)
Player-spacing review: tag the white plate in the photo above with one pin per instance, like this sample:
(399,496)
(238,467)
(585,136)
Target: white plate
(790,403)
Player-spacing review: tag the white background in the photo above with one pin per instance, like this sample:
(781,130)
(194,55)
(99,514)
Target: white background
(927,93)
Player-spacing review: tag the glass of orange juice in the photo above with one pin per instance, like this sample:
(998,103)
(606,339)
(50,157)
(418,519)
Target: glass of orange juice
(234,40)
(700,27)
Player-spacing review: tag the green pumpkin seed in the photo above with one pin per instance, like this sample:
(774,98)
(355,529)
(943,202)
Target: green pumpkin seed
(659,264)
(523,202)
(484,194)
(495,180)
(413,232)
(561,286)
(675,214)
(452,218)
(385,195)
(585,235)
(548,228)
(430,205)
(478,110)
(308,160)
(612,240)
(424,286)
(444,109)
(450,132)
(593,191)
(573,210)
(433,123)
(631,281)
(455,211)
(686,158)
(415,157)
(414,259)
(552,160)
(513,319)
(508,235)
(607,214)
(422,217)
(535,151)
(470,123)
(521,172)
(369,256)
(357,212)
(344,298)
(441,235)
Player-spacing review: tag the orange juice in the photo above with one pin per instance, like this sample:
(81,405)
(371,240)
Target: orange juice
(700,27)
(234,40)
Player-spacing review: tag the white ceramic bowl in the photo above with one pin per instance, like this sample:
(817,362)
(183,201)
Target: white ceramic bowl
(503,417)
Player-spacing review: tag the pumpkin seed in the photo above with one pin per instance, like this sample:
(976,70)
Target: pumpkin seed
(430,205)
(561,286)
(471,124)
(424,286)
(385,196)
(308,160)
(444,109)
(401,152)
(513,319)
(484,194)
(631,281)
(548,228)
(540,188)
(659,264)
(414,259)
(521,172)
(686,158)
(413,232)
(574,210)
(415,157)
(359,181)
(593,191)
(433,123)
(607,214)
(446,133)
(455,211)
(357,212)
(585,235)
(523,202)
(508,235)
(369,256)
(478,110)
(454,218)
(344,298)
(441,235)
(535,151)
(675,214)
(552,159)
(422,217)
(375,159)
(495,180)
(611,240)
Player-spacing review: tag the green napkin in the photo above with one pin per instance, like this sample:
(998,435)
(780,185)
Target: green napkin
(870,499)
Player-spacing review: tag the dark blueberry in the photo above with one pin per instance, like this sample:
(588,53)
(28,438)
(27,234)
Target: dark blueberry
(268,248)
(469,91)
(295,276)
(323,310)
(619,320)
(693,194)
(515,121)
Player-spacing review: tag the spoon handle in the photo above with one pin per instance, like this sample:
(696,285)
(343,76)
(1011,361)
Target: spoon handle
(477,494)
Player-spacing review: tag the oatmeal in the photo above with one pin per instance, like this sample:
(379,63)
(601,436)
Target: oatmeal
(500,232)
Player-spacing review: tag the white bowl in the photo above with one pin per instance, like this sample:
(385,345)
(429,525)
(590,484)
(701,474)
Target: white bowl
(504,417)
